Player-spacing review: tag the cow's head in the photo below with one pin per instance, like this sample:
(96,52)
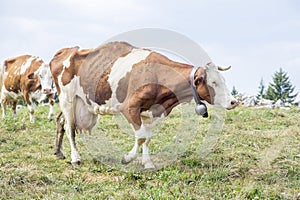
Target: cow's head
(45,78)
(211,87)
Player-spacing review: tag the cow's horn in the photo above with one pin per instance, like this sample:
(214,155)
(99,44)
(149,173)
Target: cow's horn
(223,68)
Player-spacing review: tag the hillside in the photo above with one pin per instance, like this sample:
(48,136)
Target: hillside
(256,155)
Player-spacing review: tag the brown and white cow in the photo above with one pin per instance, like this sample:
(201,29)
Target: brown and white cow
(139,83)
(25,77)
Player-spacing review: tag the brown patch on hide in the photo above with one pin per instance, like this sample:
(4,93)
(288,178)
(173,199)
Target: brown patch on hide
(121,91)
(141,141)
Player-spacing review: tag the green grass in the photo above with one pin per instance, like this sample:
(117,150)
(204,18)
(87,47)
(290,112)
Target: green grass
(255,156)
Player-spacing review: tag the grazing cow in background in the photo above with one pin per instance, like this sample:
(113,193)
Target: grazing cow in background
(29,77)
(141,84)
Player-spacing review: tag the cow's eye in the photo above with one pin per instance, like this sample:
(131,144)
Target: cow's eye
(214,84)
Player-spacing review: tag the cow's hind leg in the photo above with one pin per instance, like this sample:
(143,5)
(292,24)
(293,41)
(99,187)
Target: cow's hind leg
(3,106)
(60,131)
(68,111)
(75,157)
(14,108)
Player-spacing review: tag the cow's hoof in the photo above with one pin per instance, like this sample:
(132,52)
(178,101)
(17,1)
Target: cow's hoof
(149,166)
(124,161)
(127,158)
(60,155)
(51,117)
(76,163)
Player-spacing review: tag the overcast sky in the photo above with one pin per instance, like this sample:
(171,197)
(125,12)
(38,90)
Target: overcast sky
(255,37)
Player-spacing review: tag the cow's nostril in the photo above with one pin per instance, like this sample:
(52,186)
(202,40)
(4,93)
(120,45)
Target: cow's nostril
(233,102)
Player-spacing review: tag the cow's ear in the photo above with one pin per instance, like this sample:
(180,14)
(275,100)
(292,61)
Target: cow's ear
(198,81)
(31,76)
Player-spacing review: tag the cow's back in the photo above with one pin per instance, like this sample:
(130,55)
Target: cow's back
(96,68)
(92,66)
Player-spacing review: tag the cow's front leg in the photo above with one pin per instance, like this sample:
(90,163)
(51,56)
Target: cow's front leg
(51,109)
(31,112)
(144,135)
(142,138)
(146,160)
(131,111)
(29,106)
(131,155)
(132,114)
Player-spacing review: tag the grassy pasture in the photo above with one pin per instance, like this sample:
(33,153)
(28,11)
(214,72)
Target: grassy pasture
(255,156)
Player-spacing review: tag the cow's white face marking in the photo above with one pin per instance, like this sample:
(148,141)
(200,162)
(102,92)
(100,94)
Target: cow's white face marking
(216,81)
(124,65)
(45,78)
(26,65)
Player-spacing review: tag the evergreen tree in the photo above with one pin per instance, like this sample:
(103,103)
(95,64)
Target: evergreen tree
(234,92)
(281,88)
(261,90)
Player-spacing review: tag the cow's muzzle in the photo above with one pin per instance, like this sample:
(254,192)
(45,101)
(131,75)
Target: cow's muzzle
(47,91)
(233,103)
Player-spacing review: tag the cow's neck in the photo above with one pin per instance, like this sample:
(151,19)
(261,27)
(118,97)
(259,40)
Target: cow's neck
(182,85)
(177,90)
